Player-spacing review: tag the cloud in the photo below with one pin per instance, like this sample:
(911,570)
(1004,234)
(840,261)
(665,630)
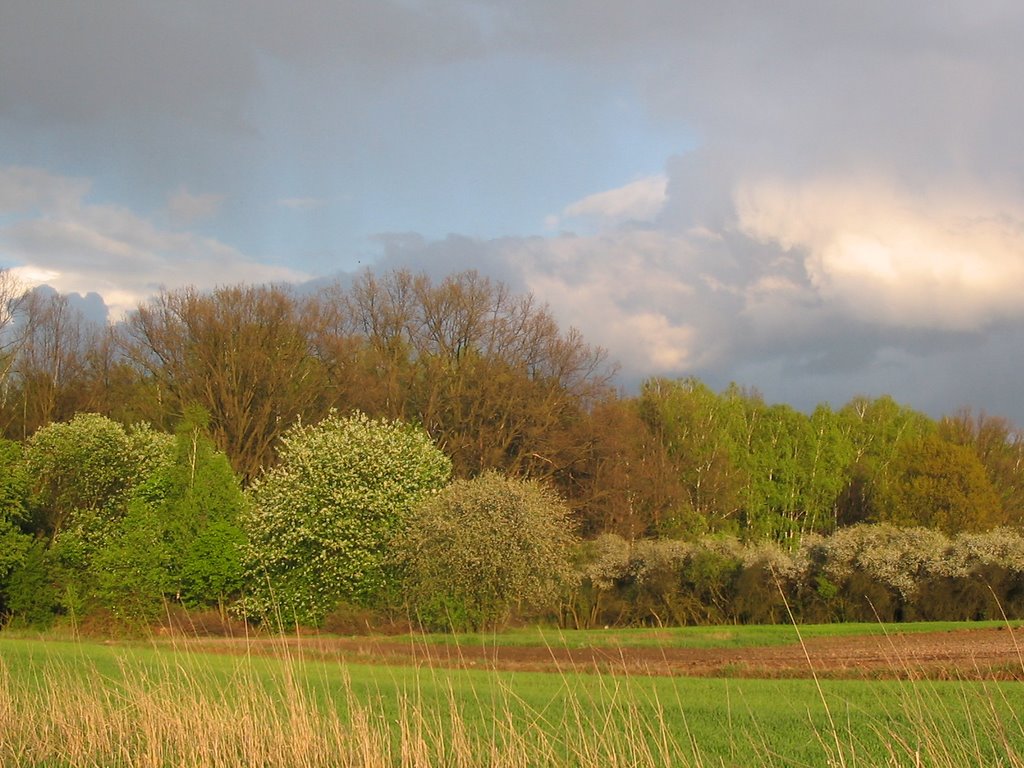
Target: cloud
(302,203)
(640,201)
(23,190)
(202,60)
(847,215)
(625,292)
(75,246)
(935,260)
(186,208)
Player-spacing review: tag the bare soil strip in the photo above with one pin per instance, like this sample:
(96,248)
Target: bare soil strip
(961,655)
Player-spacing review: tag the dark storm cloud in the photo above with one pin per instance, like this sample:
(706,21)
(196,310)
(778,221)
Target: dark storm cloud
(74,62)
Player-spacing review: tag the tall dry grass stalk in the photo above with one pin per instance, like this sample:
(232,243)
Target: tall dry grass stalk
(177,713)
(70,715)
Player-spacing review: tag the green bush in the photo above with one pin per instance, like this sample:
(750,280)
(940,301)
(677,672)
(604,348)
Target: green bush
(481,548)
(90,464)
(32,595)
(320,523)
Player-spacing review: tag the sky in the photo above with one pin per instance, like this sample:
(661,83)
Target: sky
(819,200)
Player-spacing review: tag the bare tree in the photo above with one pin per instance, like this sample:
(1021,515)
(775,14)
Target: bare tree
(14,327)
(50,367)
(241,352)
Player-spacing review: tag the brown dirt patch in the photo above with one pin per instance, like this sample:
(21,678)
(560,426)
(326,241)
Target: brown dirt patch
(962,654)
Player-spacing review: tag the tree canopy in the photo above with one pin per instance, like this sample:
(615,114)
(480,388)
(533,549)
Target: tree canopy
(480,547)
(319,523)
(197,451)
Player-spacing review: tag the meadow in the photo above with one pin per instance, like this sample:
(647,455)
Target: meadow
(697,637)
(164,703)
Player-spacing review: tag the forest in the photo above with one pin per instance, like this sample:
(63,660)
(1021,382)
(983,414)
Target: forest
(161,433)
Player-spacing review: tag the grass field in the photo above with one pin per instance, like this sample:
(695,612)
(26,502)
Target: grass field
(731,636)
(87,704)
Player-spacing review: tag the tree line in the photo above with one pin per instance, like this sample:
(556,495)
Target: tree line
(188,455)
(497,385)
(361,523)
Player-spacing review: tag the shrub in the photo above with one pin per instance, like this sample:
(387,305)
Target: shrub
(769,574)
(14,543)
(602,564)
(981,576)
(655,565)
(482,547)
(90,464)
(319,524)
(32,597)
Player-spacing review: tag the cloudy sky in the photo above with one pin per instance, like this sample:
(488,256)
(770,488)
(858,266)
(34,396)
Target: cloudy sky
(816,199)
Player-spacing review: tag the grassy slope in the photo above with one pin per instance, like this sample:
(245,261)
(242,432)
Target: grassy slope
(555,719)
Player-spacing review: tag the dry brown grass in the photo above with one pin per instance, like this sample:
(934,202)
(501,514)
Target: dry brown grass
(72,713)
(171,717)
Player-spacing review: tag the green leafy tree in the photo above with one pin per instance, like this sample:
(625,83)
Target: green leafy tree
(130,573)
(181,538)
(31,593)
(826,461)
(196,502)
(482,547)
(936,484)
(88,467)
(83,475)
(796,467)
(320,523)
(14,543)
(876,429)
(703,434)
(1000,446)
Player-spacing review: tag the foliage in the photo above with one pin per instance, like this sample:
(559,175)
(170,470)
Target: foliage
(320,523)
(196,503)
(745,467)
(240,352)
(31,592)
(88,466)
(699,431)
(131,575)
(487,373)
(860,573)
(490,376)
(14,484)
(867,572)
(630,483)
(876,429)
(483,547)
(14,543)
(82,475)
(1000,448)
(133,517)
(940,485)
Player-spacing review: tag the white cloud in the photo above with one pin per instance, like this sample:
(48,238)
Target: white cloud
(78,247)
(627,292)
(640,200)
(939,260)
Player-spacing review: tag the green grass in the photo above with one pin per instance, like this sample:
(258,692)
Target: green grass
(178,705)
(727,636)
